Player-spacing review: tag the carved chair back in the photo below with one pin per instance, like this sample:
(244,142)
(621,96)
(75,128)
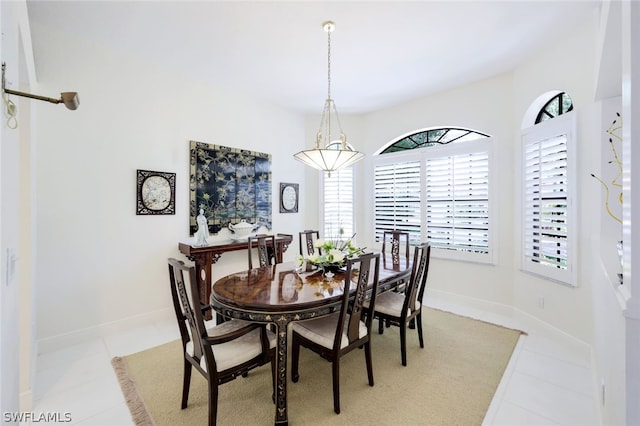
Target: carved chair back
(307,242)
(398,245)
(266,250)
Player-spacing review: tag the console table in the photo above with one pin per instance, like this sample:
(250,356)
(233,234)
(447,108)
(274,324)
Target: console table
(205,257)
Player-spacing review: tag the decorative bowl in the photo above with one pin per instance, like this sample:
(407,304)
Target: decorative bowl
(241,230)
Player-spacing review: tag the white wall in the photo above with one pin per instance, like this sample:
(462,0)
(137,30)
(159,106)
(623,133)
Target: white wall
(97,261)
(16,296)
(484,106)
(608,324)
(9,339)
(631,212)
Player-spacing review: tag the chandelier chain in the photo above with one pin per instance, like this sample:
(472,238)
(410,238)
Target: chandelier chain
(329,64)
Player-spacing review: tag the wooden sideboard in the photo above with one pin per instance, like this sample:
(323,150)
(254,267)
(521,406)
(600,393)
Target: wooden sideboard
(205,257)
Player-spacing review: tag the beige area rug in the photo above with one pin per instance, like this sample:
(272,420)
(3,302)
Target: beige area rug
(449,382)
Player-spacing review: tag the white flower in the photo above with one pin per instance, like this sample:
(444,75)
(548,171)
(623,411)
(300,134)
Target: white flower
(334,252)
(336,255)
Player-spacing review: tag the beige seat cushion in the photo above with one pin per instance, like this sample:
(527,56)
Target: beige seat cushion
(322,330)
(390,303)
(237,351)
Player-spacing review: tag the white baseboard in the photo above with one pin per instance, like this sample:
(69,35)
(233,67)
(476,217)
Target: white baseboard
(471,307)
(507,316)
(536,325)
(64,340)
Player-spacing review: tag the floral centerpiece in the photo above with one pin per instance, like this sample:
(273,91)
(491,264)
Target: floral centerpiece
(334,251)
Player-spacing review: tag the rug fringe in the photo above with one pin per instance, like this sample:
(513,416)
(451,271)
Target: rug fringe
(137,407)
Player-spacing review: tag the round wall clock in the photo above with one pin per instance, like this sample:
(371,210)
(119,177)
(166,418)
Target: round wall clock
(156,192)
(288,197)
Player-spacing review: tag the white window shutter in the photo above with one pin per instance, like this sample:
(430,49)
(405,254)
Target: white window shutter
(548,214)
(338,203)
(457,189)
(397,199)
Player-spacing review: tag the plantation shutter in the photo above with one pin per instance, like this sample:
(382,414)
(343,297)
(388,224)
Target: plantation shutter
(397,199)
(338,203)
(546,206)
(457,202)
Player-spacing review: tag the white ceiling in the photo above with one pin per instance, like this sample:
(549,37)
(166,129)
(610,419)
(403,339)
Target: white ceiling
(382,52)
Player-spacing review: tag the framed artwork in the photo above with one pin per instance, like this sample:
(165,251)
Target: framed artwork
(230,185)
(289,194)
(155,192)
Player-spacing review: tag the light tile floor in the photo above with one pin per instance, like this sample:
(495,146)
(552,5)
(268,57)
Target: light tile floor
(545,383)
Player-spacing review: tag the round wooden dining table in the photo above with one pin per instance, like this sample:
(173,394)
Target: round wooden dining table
(283,293)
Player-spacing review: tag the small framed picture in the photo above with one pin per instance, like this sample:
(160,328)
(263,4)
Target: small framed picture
(155,193)
(289,197)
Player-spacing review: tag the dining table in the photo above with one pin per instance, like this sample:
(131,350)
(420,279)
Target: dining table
(285,292)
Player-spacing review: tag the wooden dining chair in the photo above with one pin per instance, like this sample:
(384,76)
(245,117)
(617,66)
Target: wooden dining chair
(402,308)
(335,335)
(266,250)
(221,353)
(307,241)
(395,243)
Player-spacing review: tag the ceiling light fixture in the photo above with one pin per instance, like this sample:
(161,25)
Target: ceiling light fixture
(330,154)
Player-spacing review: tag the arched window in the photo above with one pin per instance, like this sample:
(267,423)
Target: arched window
(427,138)
(548,190)
(557,105)
(434,184)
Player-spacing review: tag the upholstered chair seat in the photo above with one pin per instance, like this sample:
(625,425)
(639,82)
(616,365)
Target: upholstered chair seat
(237,351)
(390,303)
(322,331)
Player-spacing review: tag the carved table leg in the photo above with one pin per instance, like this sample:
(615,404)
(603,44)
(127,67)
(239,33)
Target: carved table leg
(282,323)
(203,268)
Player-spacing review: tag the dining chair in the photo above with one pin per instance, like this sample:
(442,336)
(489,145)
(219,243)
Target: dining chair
(335,335)
(402,308)
(308,248)
(266,250)
(221,353)
(396,239)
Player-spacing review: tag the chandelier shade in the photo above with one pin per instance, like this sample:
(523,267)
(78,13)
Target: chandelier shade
(329,154)
(329,159)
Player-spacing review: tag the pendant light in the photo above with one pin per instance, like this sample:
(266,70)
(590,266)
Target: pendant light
(330,153)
